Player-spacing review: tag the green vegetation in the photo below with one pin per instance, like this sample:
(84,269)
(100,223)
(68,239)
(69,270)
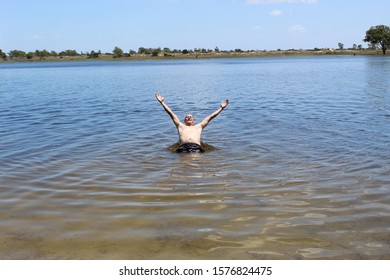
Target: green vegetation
(94,54)
(158,53)
(378,38)
(3,55)
(118,52)
(17,54)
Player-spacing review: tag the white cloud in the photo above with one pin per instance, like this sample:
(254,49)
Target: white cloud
(254,2)
(297,28)
(276,13)
(38,37)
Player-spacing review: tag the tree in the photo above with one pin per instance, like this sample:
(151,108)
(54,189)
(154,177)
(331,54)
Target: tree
(41,54)
(93,54)
(143,50)
(17,54)
(379,36)
(341,46)
(68,53)
(118,52)
(3,55)
(155,52)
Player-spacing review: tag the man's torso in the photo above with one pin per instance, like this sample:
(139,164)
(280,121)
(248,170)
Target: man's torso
(189,134)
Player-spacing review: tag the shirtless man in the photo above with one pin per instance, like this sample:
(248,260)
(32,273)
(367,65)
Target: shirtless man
(189,133)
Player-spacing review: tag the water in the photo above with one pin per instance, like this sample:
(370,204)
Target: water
(300,166)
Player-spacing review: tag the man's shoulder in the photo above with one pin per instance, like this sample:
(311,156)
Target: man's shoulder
(198,126)
(181,125)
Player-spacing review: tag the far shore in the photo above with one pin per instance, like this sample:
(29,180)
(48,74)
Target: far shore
(194,55)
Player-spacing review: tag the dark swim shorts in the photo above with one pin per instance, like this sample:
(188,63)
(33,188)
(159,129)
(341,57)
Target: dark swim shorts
(189,148)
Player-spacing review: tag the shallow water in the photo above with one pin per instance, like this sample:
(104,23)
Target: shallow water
(299,166)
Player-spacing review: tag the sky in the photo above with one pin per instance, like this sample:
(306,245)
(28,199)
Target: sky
(86,25)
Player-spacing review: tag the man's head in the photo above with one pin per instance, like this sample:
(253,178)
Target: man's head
(189,120)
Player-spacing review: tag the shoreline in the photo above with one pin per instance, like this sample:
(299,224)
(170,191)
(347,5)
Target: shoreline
(170,56)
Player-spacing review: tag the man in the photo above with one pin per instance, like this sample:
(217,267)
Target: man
(189,133)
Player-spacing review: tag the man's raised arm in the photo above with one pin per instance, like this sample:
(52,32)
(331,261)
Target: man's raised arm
(206,120)
(174,118)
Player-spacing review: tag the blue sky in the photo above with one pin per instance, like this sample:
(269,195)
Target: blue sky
(86,25)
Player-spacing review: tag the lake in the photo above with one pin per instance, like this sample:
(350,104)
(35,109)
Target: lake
(298,165)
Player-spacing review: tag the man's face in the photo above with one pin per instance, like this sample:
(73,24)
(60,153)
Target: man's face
(189,120)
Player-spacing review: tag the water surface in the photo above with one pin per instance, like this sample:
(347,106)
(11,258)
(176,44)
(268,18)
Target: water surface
(300,166)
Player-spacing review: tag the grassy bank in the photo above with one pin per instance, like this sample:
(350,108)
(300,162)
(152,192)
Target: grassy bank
(194,55)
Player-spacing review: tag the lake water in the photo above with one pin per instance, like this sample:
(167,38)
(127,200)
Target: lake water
(299,166)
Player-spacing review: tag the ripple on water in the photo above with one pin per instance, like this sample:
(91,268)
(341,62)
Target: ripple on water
(88,171)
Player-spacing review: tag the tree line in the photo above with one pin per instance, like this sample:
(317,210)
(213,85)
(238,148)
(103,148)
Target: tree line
(116,53)
(37,53)
(377,37)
